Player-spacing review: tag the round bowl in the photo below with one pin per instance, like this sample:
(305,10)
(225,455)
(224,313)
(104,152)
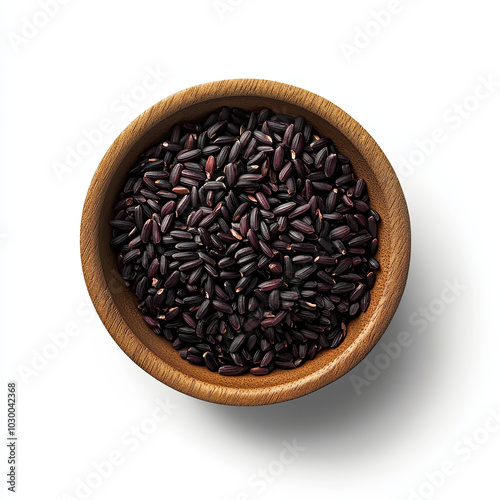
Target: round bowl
(117,306)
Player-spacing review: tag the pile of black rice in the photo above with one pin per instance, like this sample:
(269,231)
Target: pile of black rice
(248,241)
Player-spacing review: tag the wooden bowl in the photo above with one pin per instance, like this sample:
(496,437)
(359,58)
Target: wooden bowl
(117,306)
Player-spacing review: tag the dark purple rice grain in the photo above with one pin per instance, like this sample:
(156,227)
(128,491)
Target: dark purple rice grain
(248,241)
(232,370)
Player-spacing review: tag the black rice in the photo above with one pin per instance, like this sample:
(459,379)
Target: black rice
(248,241)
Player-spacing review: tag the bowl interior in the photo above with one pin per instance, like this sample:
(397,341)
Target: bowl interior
(329,364)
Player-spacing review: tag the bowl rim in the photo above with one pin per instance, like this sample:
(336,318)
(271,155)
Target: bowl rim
(157,367)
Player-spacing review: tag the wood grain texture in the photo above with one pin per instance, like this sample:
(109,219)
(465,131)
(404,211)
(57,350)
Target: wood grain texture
(117,306)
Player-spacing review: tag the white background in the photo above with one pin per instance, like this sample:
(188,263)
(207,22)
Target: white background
(381,438)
